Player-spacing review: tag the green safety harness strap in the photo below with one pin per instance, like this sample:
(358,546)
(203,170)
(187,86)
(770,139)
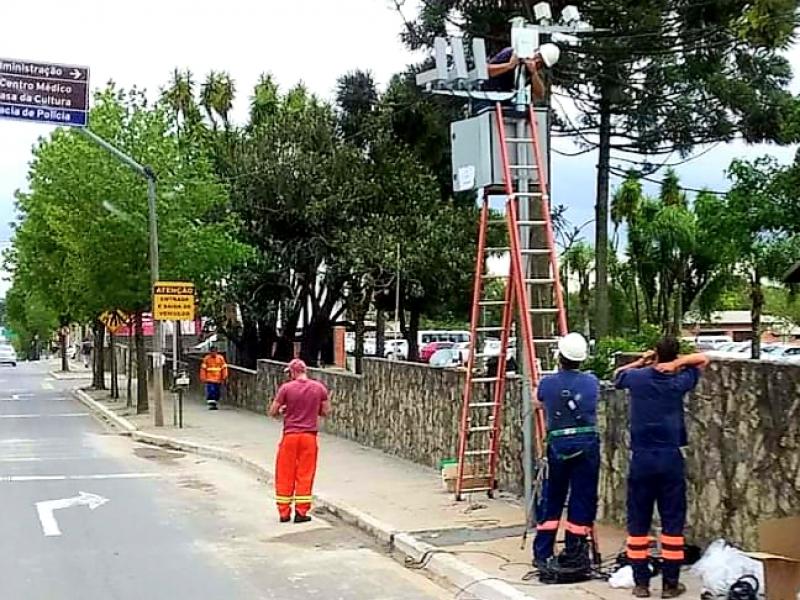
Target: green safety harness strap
(571,431)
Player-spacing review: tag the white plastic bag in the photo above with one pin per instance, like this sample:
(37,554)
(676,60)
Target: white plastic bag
(721,565)
(622,578)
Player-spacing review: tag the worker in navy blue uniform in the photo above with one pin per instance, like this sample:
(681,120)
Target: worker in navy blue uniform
(658,383)
(503,68)
(569,399)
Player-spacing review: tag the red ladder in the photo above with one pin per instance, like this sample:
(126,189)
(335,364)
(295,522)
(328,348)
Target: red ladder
(533,279)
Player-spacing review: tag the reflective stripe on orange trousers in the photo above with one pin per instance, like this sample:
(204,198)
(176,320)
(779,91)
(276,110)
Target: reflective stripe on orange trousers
(295,468)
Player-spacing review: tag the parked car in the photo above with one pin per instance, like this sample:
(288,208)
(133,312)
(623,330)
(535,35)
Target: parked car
(446,357)
(785,354)
(8,356)
(428,350)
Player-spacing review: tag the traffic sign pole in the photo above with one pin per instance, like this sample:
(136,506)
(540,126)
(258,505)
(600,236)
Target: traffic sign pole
(158,352)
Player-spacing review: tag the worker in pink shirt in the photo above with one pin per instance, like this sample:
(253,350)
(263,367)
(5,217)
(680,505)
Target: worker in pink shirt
(301,401)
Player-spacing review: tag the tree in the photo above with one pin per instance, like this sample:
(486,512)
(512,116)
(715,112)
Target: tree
(82,238)
(30,317)
(579,261)
(656,78)
(754,221)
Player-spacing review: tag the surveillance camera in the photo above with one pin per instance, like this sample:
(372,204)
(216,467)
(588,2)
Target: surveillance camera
(570,14)
(542,11)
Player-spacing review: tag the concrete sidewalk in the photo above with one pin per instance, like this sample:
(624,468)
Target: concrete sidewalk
(475,544)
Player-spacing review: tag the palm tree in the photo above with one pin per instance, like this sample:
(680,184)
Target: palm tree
(264,101)
(180,97)
(579,261)
(207,100)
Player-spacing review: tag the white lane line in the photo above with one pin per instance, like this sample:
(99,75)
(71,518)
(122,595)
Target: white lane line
(44,415)
(27,478)
(14,459)
(46,385)
(17,396)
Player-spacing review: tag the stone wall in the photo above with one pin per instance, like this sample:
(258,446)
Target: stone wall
(743,460)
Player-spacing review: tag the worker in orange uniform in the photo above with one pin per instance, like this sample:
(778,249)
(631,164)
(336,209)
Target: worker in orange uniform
(213,373)
(301,401)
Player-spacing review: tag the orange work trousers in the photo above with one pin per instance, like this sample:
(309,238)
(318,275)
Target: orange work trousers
(295,468)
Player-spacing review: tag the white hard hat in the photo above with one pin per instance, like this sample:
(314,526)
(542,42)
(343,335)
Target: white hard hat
(550,54)
(573,347)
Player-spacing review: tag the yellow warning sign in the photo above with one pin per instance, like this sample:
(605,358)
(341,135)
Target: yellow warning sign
(114,320)
(173,301)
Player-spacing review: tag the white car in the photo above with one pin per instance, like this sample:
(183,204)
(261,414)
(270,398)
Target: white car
(397,349)
(785,354)
(8,356)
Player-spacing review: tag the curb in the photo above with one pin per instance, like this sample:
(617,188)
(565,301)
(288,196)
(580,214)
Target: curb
(70,375)
(441,564)
(455,571)
(104,413)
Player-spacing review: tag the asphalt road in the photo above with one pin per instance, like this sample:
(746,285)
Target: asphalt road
(87,514)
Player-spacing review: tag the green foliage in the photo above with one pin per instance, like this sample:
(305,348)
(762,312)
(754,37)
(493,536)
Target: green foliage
(601,362)
(81,243)
(674,262)
(30,317)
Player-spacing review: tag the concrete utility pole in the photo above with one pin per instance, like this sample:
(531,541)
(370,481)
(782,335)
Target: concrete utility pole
(150,176)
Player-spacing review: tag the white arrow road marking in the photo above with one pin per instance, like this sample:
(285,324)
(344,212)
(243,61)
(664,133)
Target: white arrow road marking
(26,478)
(47,508)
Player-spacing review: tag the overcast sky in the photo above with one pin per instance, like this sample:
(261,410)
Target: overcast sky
(314,41)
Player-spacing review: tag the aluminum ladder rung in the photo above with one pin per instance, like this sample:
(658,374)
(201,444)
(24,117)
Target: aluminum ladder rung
(497,249)
(540,281)
(528,194)
(523,167)
(484,379)
(477,452)
(469,490)
(492,303)
(497,222)
(481,404)
(487,329)
(544,311)
(482,428)
(545,340)
(516,140)
(531,223)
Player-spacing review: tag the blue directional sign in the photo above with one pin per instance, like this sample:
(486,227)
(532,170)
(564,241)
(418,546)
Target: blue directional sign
(44,92)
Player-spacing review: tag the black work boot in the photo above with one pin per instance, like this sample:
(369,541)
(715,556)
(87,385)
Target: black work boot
(298,518)
(673,590)
(641,591)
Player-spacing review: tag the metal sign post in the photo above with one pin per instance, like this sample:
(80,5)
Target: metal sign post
(158,353)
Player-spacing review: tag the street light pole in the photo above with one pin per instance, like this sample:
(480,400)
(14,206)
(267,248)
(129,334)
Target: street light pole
(150,176)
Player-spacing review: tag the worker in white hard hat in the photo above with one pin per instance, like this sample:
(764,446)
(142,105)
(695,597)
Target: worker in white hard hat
(502,69)
(569,399)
